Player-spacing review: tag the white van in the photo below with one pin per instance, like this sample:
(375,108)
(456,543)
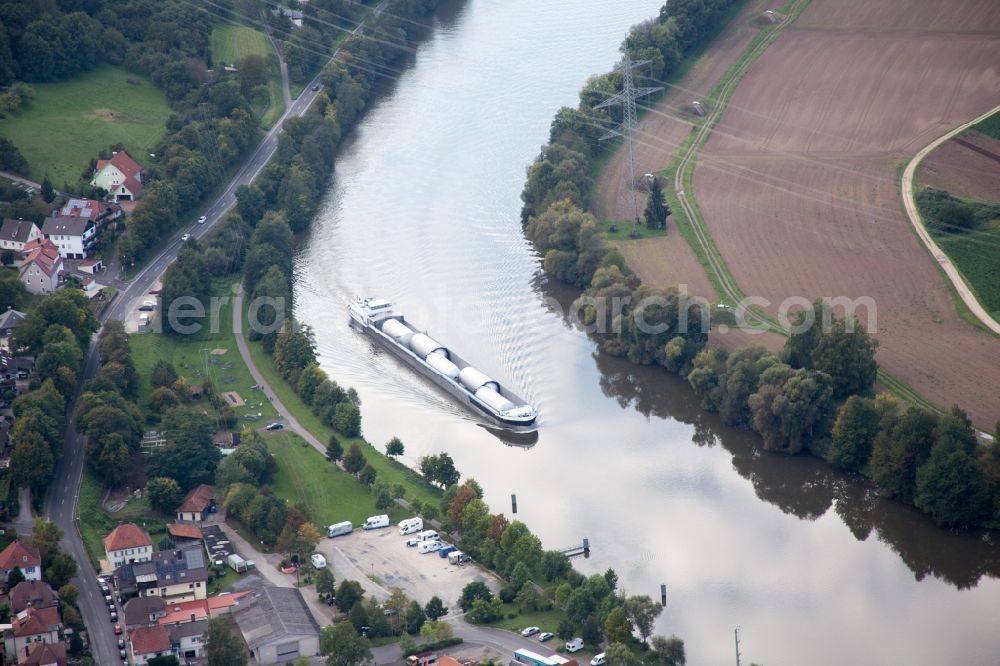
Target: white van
(428,535)
(598,660)
(574,645)
(375,522)
(410,525)
(428,546)
(318,561)
(457,557)
(339,529)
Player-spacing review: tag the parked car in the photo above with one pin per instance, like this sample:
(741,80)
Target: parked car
(202,219)
(544,636)
(148,306)
(598,660)
(122,654)
(275,426)
(530,631)
(315,88)
(121,642)
(185,237)
(118,630)
(412,543)
(318,561)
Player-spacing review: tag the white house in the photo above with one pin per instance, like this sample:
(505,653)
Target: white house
(74,236)
(127,543)
(187,640)
(41,270)
(32,625)
(14,234)
(121,177)
(23,557)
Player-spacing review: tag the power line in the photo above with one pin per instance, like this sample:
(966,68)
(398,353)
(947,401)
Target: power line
(627,98)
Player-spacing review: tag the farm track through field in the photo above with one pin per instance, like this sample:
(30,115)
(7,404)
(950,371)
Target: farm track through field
(683,186)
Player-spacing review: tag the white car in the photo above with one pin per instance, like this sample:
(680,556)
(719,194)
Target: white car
(185,238)
(545,636)
(598,660)
(530,631)
(202,220)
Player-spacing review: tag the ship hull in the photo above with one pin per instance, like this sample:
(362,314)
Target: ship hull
(451,387)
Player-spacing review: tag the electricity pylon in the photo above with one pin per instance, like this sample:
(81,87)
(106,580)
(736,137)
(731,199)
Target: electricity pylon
(627,98)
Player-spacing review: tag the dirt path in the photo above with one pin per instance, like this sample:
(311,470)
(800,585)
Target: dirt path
(964,292)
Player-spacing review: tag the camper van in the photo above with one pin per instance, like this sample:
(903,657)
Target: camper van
(574,645)
(410,525)
(457,557)
(427,535)
(339,529)
(318,561)
(425,547)
(375,522)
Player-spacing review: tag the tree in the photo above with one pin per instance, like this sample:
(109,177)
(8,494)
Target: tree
(114,462)
(14,577)
(847,354)
(164,494)
(45,538)
(367,475)
(334,451)
(473,591)
(439,469)
(349,592)
(611,578)
(657,209)
(436,631)
(415,618)
(164,660)
(435,609)
(670,650)
(342,646)
(48,192)
(394,447)
(590,631)
(527,599)
(163,374)
(642,612)
(383,496)
(222,646)
(189,456)
(617,628)
(854,433)
(68,595)
(618,654)
(566,630)
(354,461)
(11,158)
(31,462)
(792,408)
(250,203)
(898,453)
(347,419)
(60,570)
(325,583)
(951,488)
(485,610)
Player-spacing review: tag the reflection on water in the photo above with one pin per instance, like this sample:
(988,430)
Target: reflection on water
(423,210)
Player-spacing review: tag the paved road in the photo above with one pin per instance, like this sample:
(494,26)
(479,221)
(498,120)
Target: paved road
(939,255)
(20,179)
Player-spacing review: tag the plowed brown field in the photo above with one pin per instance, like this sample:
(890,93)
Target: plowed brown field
(668,261)
(981,16)
(964,172)
(798,182)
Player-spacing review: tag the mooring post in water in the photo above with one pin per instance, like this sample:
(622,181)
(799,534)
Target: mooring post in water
(736,633)
(513,503)
(586,547)
(663,594)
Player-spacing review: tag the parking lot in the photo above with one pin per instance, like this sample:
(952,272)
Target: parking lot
(382,553)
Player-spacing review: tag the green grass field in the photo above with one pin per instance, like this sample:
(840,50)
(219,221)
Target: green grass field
(331,494)
(67,123)
(977,255)
(388,470)
(990,126)
(189,355)
(624,230)
(232,42)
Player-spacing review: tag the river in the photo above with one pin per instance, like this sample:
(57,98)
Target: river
(424,209)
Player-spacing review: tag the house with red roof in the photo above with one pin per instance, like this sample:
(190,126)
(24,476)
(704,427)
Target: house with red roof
(145,643)
(43,654)
(42,268)
(23,557)
(127,543)
(121,177)
(200,609)
(198,503)
(32,625)
(32,594)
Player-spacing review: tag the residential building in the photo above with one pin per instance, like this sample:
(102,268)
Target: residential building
(175,575)
(276,625)
(91,266)
(32,625)
(9,321)
(186,640)
(75,227)
(121,177)
(198,504)
(183,535)
(42,267)
(127,543)
(142,611)
(200,609)
(145,643)
(21,556)
(14,234)
(42,654)
(32,593)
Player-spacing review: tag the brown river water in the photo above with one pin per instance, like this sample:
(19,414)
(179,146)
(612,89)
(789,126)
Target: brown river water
(424,210)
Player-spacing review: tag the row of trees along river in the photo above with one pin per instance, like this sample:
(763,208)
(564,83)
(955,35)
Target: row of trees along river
(424,209)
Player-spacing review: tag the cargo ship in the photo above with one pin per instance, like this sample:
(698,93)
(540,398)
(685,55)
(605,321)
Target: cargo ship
(473,388)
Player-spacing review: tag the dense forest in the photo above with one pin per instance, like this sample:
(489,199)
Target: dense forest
(818,395)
